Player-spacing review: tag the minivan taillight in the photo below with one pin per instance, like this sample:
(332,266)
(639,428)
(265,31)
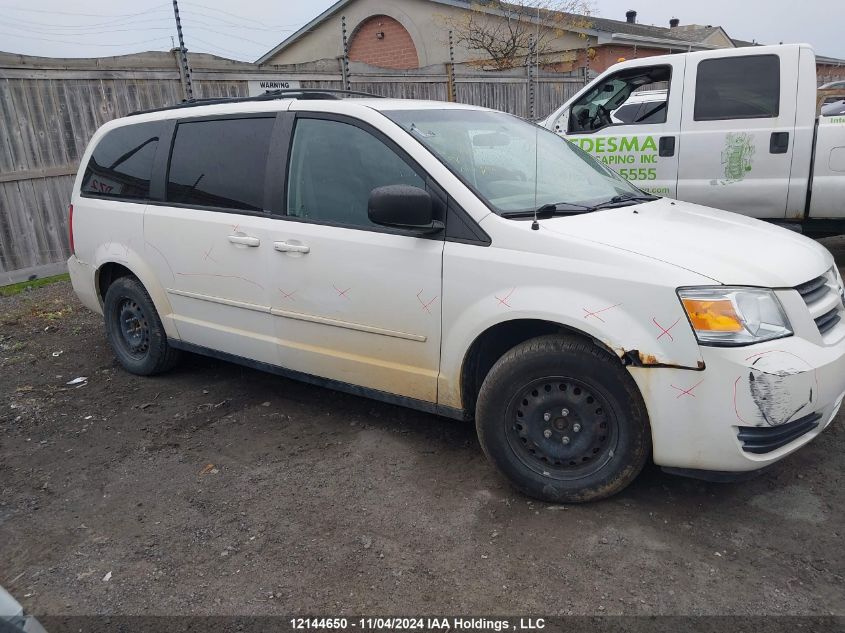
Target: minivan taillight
(70,229)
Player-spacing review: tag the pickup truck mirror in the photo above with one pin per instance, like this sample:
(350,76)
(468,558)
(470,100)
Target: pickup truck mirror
(402,206)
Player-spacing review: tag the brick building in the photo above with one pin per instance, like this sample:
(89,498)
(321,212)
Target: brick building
(402,34)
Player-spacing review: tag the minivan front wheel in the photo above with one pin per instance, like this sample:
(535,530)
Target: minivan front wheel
(562,420)
(134,329)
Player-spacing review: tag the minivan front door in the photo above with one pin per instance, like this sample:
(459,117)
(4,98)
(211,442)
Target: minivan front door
(341,310)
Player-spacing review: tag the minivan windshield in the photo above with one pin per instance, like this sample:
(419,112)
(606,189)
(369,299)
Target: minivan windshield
(512,164)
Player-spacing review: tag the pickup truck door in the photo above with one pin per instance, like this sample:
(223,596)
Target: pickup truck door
(738,130)
(630,121)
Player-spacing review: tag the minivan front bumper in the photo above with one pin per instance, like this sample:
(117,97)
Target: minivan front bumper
(748,408)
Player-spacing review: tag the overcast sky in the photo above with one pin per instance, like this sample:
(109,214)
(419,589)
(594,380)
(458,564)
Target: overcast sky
(249,28)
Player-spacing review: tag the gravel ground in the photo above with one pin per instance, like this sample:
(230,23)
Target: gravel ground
(221,490)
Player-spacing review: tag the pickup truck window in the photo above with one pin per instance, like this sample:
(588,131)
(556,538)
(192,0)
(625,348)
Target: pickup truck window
(511,164)
(122,163)
(737,88)
(619,100)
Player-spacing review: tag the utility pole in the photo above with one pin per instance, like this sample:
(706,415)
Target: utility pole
(186,70)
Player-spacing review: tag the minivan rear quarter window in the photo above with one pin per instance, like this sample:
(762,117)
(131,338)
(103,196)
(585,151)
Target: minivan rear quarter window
(738,88)
(220,163)
(122,163)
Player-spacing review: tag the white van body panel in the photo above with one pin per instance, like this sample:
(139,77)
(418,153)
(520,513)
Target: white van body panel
(415,306)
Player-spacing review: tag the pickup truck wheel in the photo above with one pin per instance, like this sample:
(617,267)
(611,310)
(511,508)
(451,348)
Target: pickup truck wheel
(562,420)
(134,329)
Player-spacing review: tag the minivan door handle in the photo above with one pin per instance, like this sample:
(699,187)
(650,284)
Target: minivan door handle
(287,247)
(667,146)
(779,143)
(244,240)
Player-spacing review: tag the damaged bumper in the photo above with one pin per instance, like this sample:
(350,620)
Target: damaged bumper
(748,408)
(82,277)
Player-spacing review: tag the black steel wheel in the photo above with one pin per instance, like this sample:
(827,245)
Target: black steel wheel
(563,420)
(134,329)
(561,428)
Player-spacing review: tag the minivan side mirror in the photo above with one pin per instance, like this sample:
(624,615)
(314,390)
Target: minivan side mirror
(402,206)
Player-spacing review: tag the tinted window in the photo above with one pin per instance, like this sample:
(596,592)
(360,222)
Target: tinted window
(220,163)
(653,112)
(122,163)
(738,88)
(333,168)
(627,113)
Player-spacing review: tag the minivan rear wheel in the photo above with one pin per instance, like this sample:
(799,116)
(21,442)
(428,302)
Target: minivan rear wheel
(134,329)
(562,420)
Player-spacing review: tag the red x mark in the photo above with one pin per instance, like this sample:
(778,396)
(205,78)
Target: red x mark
(687,392)
(288,295)
(207,254)
(504,300)
(425,306)
(664,331)
(341,293)
(236,227)
(595,314)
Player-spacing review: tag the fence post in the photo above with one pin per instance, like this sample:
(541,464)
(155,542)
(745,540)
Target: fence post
(450,71)
(344,62)
(532,110)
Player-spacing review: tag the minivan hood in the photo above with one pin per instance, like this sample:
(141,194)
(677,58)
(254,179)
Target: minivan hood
(729,248)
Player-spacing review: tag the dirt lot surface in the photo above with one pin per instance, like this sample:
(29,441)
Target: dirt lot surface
(221,490)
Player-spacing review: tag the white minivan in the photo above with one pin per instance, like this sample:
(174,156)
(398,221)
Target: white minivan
(464,262)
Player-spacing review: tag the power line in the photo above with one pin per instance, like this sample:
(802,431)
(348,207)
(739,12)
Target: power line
(239,37)
(119,22)
(82,15)
(234,15)
(226,51)
(99,31)
(86,33)
(240,26)
(44,39)
(95,29)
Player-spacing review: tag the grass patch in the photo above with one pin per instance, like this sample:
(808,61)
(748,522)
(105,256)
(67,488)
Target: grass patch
(8,291)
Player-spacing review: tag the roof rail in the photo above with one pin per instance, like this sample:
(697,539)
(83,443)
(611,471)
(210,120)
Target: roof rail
(270,95)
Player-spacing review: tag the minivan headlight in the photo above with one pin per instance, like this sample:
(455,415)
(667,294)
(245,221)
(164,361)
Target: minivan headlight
(734,316)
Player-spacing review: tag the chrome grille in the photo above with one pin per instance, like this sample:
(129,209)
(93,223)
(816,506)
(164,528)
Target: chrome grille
(823,299)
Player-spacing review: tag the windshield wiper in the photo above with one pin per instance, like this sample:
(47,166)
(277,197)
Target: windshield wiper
(623,200)
(549,210)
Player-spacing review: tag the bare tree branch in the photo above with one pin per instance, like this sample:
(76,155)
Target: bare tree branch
(503,33)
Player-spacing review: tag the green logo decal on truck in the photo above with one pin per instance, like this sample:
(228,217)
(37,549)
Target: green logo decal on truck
(622,153)
(737,156)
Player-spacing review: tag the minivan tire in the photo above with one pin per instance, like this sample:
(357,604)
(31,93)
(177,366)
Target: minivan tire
(563,420)
(134,329)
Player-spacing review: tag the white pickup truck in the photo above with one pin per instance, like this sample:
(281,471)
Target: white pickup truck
(737,129)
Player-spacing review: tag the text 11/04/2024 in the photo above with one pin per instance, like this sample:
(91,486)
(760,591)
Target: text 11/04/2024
(433,623)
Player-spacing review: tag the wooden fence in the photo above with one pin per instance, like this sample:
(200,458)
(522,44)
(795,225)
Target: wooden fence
(50,108)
